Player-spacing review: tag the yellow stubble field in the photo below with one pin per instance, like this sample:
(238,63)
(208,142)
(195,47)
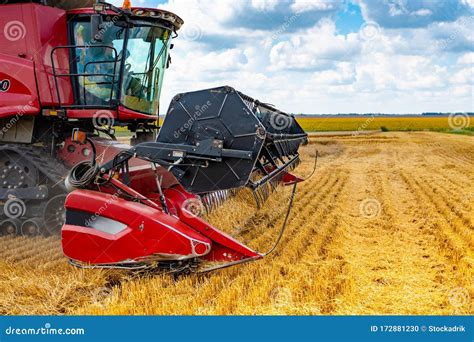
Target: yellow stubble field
(385,226)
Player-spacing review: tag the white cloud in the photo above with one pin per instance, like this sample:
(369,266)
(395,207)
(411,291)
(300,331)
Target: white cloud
(463,76)
(467,58)
(343,74)
(316,48)
(413,13)
(423,12)
(318,69)
(300,6)
(264,5)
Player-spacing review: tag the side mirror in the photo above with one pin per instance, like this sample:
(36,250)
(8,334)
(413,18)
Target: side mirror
(96,28)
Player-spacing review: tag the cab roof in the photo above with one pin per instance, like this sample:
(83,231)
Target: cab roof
(85,7)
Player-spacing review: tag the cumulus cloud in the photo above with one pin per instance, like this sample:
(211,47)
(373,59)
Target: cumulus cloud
(414,13)
(316,48)
(292,53)
(300,6)
(467,58)
(344,73)
(264,15)
(455,36)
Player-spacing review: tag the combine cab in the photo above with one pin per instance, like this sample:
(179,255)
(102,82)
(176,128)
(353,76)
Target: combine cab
(64,68)
(137,206)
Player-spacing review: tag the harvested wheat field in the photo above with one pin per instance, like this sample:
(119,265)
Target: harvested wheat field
(385,226)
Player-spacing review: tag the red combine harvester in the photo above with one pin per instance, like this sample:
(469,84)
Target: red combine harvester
(67,78)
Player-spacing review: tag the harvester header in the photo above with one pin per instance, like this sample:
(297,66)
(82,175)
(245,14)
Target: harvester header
(236,136)
(78,69)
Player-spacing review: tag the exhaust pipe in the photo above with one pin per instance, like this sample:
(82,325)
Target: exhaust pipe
(10,227)
(31,227)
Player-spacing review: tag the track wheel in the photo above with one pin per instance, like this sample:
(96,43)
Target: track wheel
(10,227)
(31,227)
(54,215)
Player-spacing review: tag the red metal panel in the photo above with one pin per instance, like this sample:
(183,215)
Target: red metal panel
(31,31)
(123,114)
(51,31)
(229,250)
(92,113)
(14,35)
(127,114)
(19,97)
(149,232)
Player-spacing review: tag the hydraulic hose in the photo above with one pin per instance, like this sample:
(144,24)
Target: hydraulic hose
(85,172)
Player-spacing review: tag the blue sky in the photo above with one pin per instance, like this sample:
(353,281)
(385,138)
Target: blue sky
(327,56)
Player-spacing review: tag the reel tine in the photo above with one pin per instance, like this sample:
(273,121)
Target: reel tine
(260,197)
(214,201)
(285,147)
(206,203)
(258,192)
(222,197)
(262,193)
(268,191)
(255,196)
(265,192)
(273,184)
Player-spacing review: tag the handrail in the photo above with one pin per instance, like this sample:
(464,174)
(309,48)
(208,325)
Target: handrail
(72,75)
